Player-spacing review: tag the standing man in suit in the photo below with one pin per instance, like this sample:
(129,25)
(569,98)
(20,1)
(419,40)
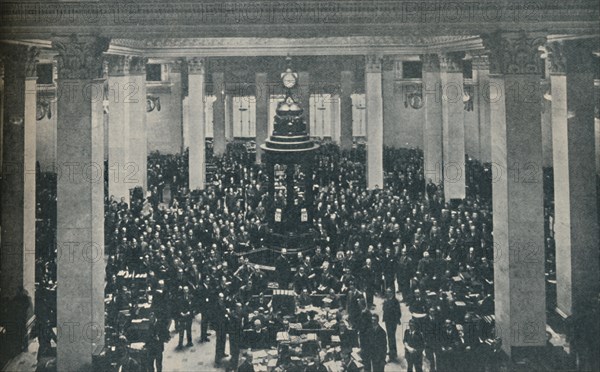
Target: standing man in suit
(155,344)
(185,313)
(413,345)
(221,324)
(375,348)
(235,334)
(391,317)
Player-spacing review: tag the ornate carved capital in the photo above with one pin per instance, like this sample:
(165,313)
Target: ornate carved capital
(80,58)
(373,62)
(118,65)
(216,64)
(514,53)
(451,62)
(20,61)
(480,62)
(388,63)
(137,65)
(431,62)
(176,66)
(571,56)
(196,65)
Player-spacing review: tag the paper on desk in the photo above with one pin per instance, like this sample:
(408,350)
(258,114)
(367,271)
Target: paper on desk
(259,353)
(333,366)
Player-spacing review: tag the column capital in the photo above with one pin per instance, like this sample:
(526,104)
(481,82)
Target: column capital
(571,56)
(118,65)
(137,65)
(196,65)
(431,62)
(514,53)
(480,62)
(451,62)
(388,63)
(19,60)
(176,66)
(80,58)
(373,62)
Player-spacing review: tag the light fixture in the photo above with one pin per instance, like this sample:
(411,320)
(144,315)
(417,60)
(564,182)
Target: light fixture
(152,102)
(413,98)
(43,109)
(468,98)
(15,120)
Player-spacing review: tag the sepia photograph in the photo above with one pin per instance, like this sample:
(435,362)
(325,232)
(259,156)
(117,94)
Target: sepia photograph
(299,185)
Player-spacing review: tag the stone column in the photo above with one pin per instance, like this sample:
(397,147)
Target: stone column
(219,113)
(547,152)
(481,72)
(120,103)
(453,126)
(335,118)
(262,94)
(347,85)
(432,133)
(80,202)
(197,156)
(575,194)
(175,77)
(519,281)
(229,117)
(389,101)
(18,171)
(374,107)
(138,142)
(304,96)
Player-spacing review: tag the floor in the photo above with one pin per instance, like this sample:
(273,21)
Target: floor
(200,357)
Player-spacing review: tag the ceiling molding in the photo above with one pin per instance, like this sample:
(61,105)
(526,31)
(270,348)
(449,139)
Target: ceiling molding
(351,45)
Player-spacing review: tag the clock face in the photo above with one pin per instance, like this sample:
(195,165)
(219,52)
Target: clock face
(289,80)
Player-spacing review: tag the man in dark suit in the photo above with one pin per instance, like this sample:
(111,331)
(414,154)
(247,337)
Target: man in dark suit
(155,344)
(449,343)
(246,365)
(375,348)
(221,318)
(185,314)
(235,334)
(282,267)
(413,345)
(391,317)
(432,328)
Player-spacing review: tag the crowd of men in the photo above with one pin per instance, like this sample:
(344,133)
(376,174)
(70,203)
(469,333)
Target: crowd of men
(403,238)
(191,245)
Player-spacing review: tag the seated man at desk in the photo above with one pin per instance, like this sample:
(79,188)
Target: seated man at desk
(304,299)
(332,300)
(257,337)
(311,323)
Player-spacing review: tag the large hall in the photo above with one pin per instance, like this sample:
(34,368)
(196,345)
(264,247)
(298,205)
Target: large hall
(300,186)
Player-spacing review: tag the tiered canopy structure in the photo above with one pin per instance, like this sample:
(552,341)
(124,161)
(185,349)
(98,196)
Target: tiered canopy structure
(289,157)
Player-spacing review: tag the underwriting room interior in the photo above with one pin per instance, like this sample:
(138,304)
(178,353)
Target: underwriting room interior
(273,186)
